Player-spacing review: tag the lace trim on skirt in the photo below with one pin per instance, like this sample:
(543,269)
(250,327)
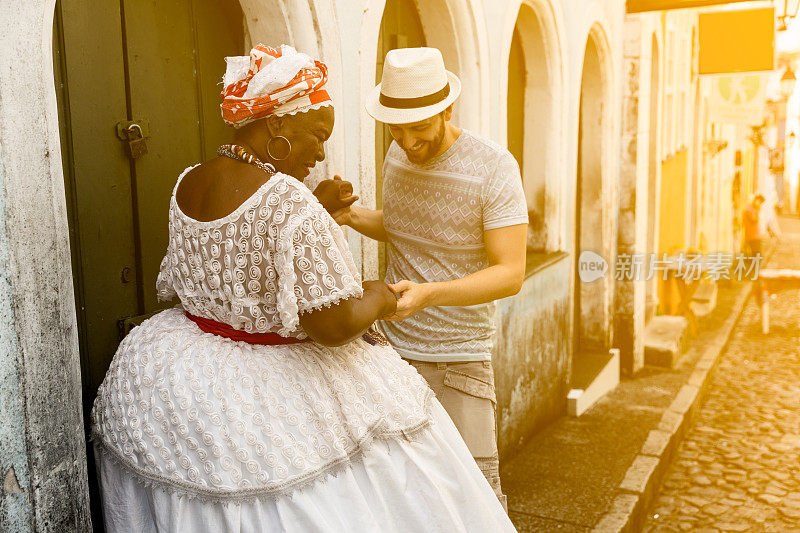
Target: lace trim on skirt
(270,490)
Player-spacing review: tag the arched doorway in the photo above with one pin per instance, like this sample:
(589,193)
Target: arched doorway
(651,292)
(517,82)
(532,116)
(595,368)
(401,27)
(156,66)
(590,298)
(457,29)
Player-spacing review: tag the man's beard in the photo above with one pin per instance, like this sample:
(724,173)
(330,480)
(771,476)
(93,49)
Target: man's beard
(430,148)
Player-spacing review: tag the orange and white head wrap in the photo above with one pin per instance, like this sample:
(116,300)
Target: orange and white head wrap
(272,82)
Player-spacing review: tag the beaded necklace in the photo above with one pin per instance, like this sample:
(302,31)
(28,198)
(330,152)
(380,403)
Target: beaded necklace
(235,151)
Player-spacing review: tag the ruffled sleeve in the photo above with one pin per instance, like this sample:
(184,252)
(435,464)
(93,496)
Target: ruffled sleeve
(165,289)
(314,266)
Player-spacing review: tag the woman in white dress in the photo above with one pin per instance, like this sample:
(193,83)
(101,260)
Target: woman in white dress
(263,402)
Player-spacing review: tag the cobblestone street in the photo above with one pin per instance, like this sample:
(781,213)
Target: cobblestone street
(738,468)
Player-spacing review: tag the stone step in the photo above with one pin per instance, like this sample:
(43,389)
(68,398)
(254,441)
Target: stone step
(594,374)
(705,298)
(665,340)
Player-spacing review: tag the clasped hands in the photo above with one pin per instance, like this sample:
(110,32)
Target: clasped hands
(336,196)
(403,298)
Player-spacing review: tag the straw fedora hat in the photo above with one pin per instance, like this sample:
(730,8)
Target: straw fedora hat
(414,86)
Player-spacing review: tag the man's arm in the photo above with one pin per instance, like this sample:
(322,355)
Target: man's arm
(505,248)
(368,222)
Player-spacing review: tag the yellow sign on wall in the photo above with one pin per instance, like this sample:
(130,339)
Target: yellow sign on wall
(737,41)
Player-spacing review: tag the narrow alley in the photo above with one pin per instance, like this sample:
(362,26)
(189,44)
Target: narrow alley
(738,468)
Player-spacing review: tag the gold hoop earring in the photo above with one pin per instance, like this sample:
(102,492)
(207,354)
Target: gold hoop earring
(288,149)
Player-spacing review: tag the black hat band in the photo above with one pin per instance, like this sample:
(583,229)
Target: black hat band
(419,101)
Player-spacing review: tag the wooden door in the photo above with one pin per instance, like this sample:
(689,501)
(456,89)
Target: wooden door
(158,64)
(401,27)
(181,46)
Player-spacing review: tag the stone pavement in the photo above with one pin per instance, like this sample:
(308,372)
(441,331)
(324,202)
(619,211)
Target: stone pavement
(738,468)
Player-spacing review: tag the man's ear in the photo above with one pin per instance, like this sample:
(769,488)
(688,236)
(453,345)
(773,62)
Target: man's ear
(448,113)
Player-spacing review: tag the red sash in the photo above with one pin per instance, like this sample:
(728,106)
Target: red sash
(225,330)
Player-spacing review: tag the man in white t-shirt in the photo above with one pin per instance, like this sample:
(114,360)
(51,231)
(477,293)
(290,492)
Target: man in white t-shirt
(455,219)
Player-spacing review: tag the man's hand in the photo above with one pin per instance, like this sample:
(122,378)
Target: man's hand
(412,298)
(336,196)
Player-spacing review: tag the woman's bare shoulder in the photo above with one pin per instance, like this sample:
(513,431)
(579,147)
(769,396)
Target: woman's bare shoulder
(216,188)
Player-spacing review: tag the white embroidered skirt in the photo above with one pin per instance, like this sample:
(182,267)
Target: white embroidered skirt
(194,432)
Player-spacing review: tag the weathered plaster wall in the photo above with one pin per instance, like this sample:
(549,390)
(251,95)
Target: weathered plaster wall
(531,355)
(41,390)
(626,319)
(15,507)
(534,339)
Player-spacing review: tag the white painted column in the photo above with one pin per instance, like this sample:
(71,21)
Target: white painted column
(628,314)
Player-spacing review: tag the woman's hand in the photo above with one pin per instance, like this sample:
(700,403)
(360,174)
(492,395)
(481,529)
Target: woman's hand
(344,216)
(335,195)
(383,291)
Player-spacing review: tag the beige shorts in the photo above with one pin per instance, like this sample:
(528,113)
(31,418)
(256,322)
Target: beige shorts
(466,391)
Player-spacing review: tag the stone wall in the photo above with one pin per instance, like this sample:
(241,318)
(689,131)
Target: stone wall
(42,446)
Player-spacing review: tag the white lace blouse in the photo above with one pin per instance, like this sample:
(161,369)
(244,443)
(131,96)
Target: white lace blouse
(277,255)
(225,420)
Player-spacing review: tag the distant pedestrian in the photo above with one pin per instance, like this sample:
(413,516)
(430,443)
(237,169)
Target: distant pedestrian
(753,230)
(756,229)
